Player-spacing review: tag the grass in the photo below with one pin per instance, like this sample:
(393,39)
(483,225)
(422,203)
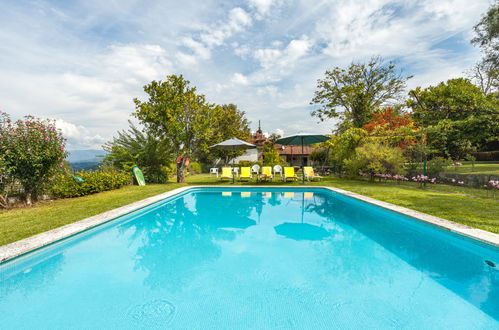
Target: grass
(440,201)
(16,224)
(479,168)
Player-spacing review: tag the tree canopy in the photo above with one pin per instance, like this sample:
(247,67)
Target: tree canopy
(175,112)
(136,147)
(354,93)
(457,115)
(31,151)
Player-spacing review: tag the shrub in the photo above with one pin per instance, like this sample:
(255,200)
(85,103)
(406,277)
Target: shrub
(436,165)
(195,168)
(375,158)
(486,155)
(65,184)
(31,149)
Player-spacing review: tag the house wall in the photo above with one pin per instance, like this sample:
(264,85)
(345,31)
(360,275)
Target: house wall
(295,160)
(250,155)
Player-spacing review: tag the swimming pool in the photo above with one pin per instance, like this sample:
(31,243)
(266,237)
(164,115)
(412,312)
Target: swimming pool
(255,258)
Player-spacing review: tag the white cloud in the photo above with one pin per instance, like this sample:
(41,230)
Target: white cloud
(238,19)
(279,131)
(86,62)
(78,136)
(198,48)
(240,79)
(262,6)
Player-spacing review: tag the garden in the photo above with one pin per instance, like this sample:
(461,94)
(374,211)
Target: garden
(434,149)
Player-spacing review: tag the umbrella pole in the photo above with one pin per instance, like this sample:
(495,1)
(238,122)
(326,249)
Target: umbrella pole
(233,163)
(302,165)
(302,206)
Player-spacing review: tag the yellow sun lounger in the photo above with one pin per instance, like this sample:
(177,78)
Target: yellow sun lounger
(245,174)
(309,173)
(266,173)
(289,173)
(226,173)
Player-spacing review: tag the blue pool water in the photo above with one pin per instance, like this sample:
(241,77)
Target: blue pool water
(253,258)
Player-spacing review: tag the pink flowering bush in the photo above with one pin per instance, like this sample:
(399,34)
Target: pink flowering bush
(422,179)
(31,151)
(493,184)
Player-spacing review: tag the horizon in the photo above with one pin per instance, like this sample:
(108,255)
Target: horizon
(82,63)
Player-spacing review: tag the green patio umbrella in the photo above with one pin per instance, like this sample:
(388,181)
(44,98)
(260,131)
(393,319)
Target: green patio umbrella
(302,139)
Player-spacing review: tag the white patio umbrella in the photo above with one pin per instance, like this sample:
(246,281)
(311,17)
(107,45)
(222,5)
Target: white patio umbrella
(233,145)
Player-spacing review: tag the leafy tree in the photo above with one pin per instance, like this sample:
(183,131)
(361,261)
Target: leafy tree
(134,147)
(175,112)
(32,151)
(373,158)
(487,34)
(353,94)
(485,74)
(271,156)
(228,122)
(342,147)
(457,116)
(274,137)
(394,127)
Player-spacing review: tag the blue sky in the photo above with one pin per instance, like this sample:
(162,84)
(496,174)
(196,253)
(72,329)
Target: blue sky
(82,62)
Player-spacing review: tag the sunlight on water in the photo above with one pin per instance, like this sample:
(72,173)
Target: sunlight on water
(256,259)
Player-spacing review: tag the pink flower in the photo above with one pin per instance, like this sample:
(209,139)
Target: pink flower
(47,139)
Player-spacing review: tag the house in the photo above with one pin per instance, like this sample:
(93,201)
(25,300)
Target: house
(292,154)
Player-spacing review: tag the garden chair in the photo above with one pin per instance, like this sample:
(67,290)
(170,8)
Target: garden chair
(266,173)
(245,174)
(214,170)
(277,169)
(289,173)
(309,173)
(226,173)
(255,169)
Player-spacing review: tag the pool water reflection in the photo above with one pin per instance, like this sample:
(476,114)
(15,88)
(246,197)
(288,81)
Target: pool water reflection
(255,258)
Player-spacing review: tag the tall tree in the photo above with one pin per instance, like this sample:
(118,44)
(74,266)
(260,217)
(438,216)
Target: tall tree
(176,112)
(354,93)
(486,72)
(457,115)
(134,147)
(228,122)
(487,33)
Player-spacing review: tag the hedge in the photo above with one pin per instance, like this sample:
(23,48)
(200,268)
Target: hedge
(68,185)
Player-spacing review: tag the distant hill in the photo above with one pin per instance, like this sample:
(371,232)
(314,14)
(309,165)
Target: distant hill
(85,156)
(85,159)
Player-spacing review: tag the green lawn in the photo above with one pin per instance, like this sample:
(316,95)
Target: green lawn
(477,212)
(479,168)
(20,223)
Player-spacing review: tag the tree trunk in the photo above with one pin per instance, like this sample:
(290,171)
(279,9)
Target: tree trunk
(4,202)
(180,172)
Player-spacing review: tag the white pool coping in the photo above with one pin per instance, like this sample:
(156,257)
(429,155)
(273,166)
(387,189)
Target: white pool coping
(32,243)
